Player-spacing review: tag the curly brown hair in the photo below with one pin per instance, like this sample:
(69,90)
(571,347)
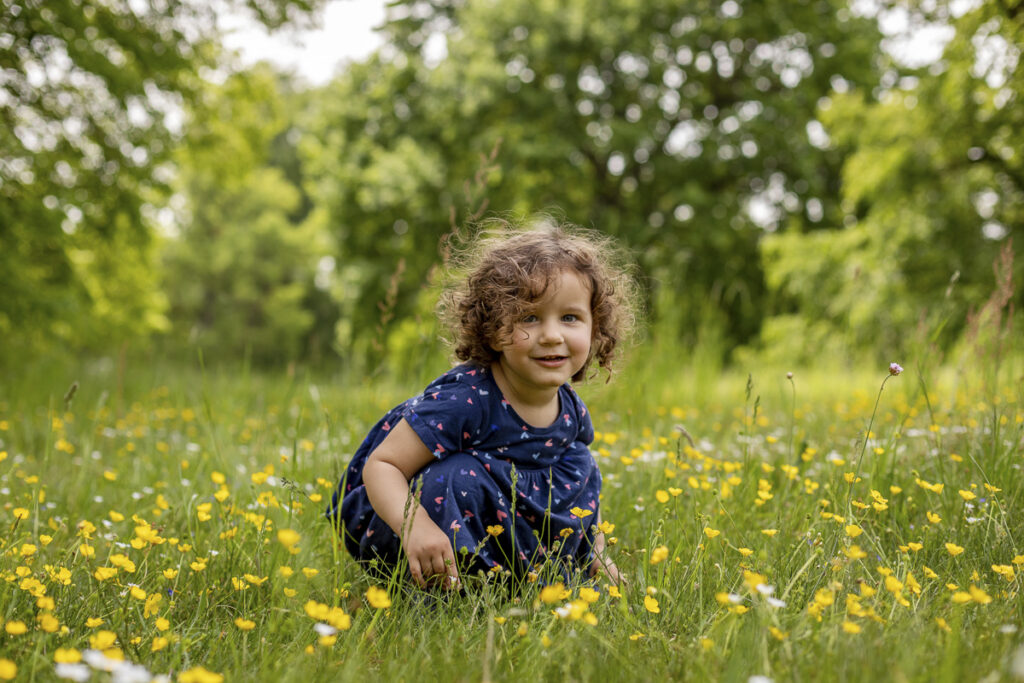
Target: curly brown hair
(508,268)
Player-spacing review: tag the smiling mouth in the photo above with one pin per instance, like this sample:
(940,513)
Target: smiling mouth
(551,358)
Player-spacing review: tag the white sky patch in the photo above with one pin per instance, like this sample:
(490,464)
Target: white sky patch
(912,45)
(346,33)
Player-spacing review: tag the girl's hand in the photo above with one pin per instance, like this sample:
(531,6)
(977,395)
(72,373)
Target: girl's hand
(430,554)
(603,564)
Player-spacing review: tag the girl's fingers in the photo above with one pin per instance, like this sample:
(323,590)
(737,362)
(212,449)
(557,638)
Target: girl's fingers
(451,570)
(437,562)
(416,571)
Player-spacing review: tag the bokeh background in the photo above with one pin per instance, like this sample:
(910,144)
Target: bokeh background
(795,180)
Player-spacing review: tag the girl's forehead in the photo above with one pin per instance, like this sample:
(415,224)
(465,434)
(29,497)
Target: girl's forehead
(562,284)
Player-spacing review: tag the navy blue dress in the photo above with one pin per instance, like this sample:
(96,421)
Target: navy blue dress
(482,446)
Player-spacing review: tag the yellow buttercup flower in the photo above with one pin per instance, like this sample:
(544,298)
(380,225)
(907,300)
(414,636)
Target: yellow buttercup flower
(553,593)
(15,628)
(954,549)
(651,604)
(978,595)
(659,554)
(855,553)
(48,623)
(199,674)
(102,640)
(152,605)
(245,624)
(122,562)
(104,573)
(893,585)
(1004,570)
(203,511)
(580,512)
(288,537)
(378,597)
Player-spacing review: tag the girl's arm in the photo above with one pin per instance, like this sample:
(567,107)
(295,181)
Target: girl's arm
(386,475)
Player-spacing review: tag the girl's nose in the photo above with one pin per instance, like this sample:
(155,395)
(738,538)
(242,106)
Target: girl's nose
(550,333)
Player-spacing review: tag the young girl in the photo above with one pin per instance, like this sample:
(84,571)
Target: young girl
(489,468)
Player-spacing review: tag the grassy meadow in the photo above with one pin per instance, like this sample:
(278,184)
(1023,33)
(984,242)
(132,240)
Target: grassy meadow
(165,522)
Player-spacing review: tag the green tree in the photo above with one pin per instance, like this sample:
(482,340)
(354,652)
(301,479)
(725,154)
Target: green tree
(88,101)
(933,187)
(682,128)
(241,273)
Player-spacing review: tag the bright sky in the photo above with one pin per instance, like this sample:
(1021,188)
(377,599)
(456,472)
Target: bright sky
(345,34)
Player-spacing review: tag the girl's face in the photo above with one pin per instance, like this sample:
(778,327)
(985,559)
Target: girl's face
(552,341)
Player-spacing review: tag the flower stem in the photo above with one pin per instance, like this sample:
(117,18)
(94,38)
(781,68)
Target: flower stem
(864,447)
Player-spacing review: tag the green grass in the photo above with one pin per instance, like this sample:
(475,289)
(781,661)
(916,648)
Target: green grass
(139,452)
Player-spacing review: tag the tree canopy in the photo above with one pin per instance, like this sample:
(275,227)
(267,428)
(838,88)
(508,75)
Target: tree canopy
(90,100)
(681,129)
(783,182)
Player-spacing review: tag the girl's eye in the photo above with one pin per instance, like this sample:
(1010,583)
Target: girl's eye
(570,317)
(530,318)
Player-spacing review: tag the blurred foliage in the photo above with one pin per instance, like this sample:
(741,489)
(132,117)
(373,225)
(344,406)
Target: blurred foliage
(89,92)
(655,122)
(242,271)
(788,188)
(933,188)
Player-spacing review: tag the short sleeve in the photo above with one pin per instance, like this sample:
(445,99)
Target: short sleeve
(584,427)
(445,417)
